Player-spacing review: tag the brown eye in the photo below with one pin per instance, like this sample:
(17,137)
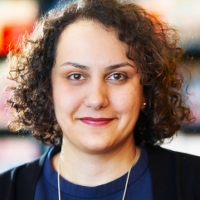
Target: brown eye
(76,77)
(117,77)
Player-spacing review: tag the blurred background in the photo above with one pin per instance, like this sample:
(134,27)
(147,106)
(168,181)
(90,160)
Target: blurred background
(18,18)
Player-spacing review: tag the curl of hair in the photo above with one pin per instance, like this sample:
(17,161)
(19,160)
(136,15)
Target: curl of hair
(152,45)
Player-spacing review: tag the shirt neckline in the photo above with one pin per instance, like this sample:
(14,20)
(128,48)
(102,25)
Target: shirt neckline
(98,191)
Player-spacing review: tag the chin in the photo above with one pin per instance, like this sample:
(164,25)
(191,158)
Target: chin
(97,147)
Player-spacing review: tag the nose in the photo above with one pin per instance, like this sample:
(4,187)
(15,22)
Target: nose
(96,96)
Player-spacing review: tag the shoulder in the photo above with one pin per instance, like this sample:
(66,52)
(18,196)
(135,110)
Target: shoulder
(166,155)
(166,159)
(174,173)
(23,169)
(17,178)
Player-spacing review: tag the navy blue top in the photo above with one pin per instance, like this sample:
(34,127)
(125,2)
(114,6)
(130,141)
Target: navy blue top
(139,186)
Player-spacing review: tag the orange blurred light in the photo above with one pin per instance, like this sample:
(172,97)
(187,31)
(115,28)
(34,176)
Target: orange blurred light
(17,19)
(11,35)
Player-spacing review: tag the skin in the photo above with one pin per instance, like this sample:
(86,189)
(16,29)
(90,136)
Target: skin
(97,98)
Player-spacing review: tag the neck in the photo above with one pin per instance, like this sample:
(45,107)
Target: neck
(94,169)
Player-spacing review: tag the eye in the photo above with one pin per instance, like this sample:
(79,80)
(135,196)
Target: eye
(117,76)
(76,77)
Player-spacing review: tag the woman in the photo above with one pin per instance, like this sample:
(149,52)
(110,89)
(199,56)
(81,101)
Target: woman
(99,81)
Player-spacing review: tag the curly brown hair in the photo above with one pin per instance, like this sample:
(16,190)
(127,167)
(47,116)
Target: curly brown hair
(152,44)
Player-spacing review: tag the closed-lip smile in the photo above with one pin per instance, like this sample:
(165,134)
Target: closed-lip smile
(96,121)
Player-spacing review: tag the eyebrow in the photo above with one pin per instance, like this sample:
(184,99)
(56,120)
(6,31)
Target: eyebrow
(111,67)
(115,66)
(75,65)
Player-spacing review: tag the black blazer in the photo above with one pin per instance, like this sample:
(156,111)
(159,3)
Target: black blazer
(175,176)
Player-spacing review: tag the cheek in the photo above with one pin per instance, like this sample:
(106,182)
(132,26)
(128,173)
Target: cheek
(64,97)
(128,100)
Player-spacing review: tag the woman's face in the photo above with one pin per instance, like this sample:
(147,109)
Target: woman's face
(97,93)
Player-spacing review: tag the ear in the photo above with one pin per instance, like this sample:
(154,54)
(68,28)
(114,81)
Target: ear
(143,103)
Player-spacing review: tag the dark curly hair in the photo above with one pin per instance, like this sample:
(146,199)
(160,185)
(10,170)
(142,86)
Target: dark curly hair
(152,44)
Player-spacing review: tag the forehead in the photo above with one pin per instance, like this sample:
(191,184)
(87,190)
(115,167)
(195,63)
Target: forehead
(88,24)
(88,40)
(84,29)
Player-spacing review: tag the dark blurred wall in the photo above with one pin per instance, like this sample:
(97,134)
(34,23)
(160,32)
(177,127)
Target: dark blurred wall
(47,5)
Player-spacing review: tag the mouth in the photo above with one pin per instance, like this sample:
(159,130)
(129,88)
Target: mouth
(96,121)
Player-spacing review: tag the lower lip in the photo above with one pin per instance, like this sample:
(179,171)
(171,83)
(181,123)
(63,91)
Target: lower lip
(96,122)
